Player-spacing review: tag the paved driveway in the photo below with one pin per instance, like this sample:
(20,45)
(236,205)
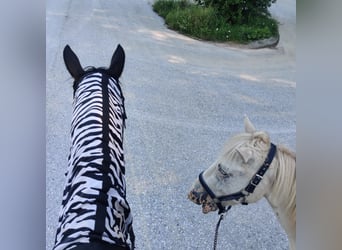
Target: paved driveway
(184,98)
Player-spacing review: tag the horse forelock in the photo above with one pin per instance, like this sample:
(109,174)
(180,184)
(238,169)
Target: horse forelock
(242,139)
(235,142)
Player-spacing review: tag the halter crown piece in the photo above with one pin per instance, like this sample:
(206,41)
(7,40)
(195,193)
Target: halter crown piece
(256,179)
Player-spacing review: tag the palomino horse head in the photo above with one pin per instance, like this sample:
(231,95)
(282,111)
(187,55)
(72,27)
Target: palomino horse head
(241,174)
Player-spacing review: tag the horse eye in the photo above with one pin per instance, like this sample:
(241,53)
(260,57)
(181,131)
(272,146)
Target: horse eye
(220,169)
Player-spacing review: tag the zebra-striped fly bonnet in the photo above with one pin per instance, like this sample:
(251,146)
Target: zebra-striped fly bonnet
(95,213)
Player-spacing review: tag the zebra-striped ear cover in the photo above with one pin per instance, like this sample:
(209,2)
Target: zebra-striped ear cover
(72,63)
(117,63)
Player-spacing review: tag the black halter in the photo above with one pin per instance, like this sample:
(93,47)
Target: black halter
(244,192)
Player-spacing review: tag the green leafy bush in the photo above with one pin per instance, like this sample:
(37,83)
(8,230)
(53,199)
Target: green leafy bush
(239,11)
(206,22)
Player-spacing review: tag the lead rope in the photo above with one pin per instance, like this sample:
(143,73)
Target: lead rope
(216,231)
(222,214)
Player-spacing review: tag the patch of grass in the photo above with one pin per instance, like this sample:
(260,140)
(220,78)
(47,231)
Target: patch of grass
(205,23)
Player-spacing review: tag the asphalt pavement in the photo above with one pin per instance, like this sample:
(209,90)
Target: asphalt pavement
(184,99)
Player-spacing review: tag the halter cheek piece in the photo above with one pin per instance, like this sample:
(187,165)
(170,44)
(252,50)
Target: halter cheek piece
(256,179)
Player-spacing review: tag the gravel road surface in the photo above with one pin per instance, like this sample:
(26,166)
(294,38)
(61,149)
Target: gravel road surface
(184,99)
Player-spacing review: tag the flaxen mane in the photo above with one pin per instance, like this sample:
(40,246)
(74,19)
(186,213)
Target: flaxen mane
(284,185)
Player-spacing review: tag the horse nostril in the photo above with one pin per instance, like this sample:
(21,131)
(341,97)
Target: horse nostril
(191,196)
(194,197)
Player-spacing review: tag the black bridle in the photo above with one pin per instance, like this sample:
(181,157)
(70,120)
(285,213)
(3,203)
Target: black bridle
(256,179)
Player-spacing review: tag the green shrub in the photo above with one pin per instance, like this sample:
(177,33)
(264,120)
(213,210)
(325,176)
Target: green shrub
(208,23)
(238,11)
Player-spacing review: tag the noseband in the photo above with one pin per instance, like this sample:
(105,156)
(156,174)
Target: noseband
(256,179)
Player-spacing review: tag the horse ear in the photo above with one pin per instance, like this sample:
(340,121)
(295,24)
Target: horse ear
(72,63)
(117,63)
(246,153)
(249,127)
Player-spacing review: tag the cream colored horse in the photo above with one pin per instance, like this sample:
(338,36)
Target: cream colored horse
(229,176)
